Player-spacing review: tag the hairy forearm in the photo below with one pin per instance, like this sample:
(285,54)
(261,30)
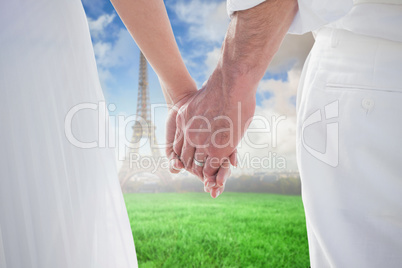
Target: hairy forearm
(149,25)
(252,40)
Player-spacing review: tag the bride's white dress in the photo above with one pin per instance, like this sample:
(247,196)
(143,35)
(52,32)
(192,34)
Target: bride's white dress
(60,206)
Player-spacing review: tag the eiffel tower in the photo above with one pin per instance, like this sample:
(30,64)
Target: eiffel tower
(143,128)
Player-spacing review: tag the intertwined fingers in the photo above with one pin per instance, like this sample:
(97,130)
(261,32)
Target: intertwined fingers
(175,165)
(210,170)
(194,148)
(221,177)
(218,179)
(172,138)
(198,163)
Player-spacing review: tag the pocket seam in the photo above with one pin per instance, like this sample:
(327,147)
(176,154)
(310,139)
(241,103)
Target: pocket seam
(361,88)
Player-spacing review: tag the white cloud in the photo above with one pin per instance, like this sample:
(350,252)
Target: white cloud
(104,77)
(118,53)
(94,6)
(97,27)
(212,60)
(101,49)
(113,47)
(279,111)
(208,20)
(292,53)
(282,92)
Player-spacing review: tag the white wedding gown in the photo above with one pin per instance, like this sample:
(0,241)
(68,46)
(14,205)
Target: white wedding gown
(60,206)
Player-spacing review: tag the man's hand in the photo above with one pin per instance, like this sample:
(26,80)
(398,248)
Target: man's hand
(209,126)
(188,139)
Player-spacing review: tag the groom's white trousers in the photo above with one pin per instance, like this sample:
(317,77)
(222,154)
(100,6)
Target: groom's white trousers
(349,149)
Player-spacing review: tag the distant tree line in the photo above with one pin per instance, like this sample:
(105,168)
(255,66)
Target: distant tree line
(288,185)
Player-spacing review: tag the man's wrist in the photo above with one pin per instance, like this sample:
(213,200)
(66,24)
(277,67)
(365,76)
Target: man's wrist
(234,85)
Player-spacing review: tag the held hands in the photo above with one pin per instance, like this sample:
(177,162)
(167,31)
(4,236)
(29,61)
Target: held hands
(203,131)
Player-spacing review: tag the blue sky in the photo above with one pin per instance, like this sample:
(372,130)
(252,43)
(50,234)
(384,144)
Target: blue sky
(199,27)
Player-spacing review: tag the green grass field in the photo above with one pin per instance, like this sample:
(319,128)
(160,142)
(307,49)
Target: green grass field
(234,230)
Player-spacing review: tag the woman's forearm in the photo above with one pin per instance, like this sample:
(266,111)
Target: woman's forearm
(148,23)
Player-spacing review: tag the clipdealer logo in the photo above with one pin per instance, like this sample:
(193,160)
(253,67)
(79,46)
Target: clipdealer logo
(330,156)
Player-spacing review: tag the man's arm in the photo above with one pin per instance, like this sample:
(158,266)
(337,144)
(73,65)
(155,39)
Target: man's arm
(252,39)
